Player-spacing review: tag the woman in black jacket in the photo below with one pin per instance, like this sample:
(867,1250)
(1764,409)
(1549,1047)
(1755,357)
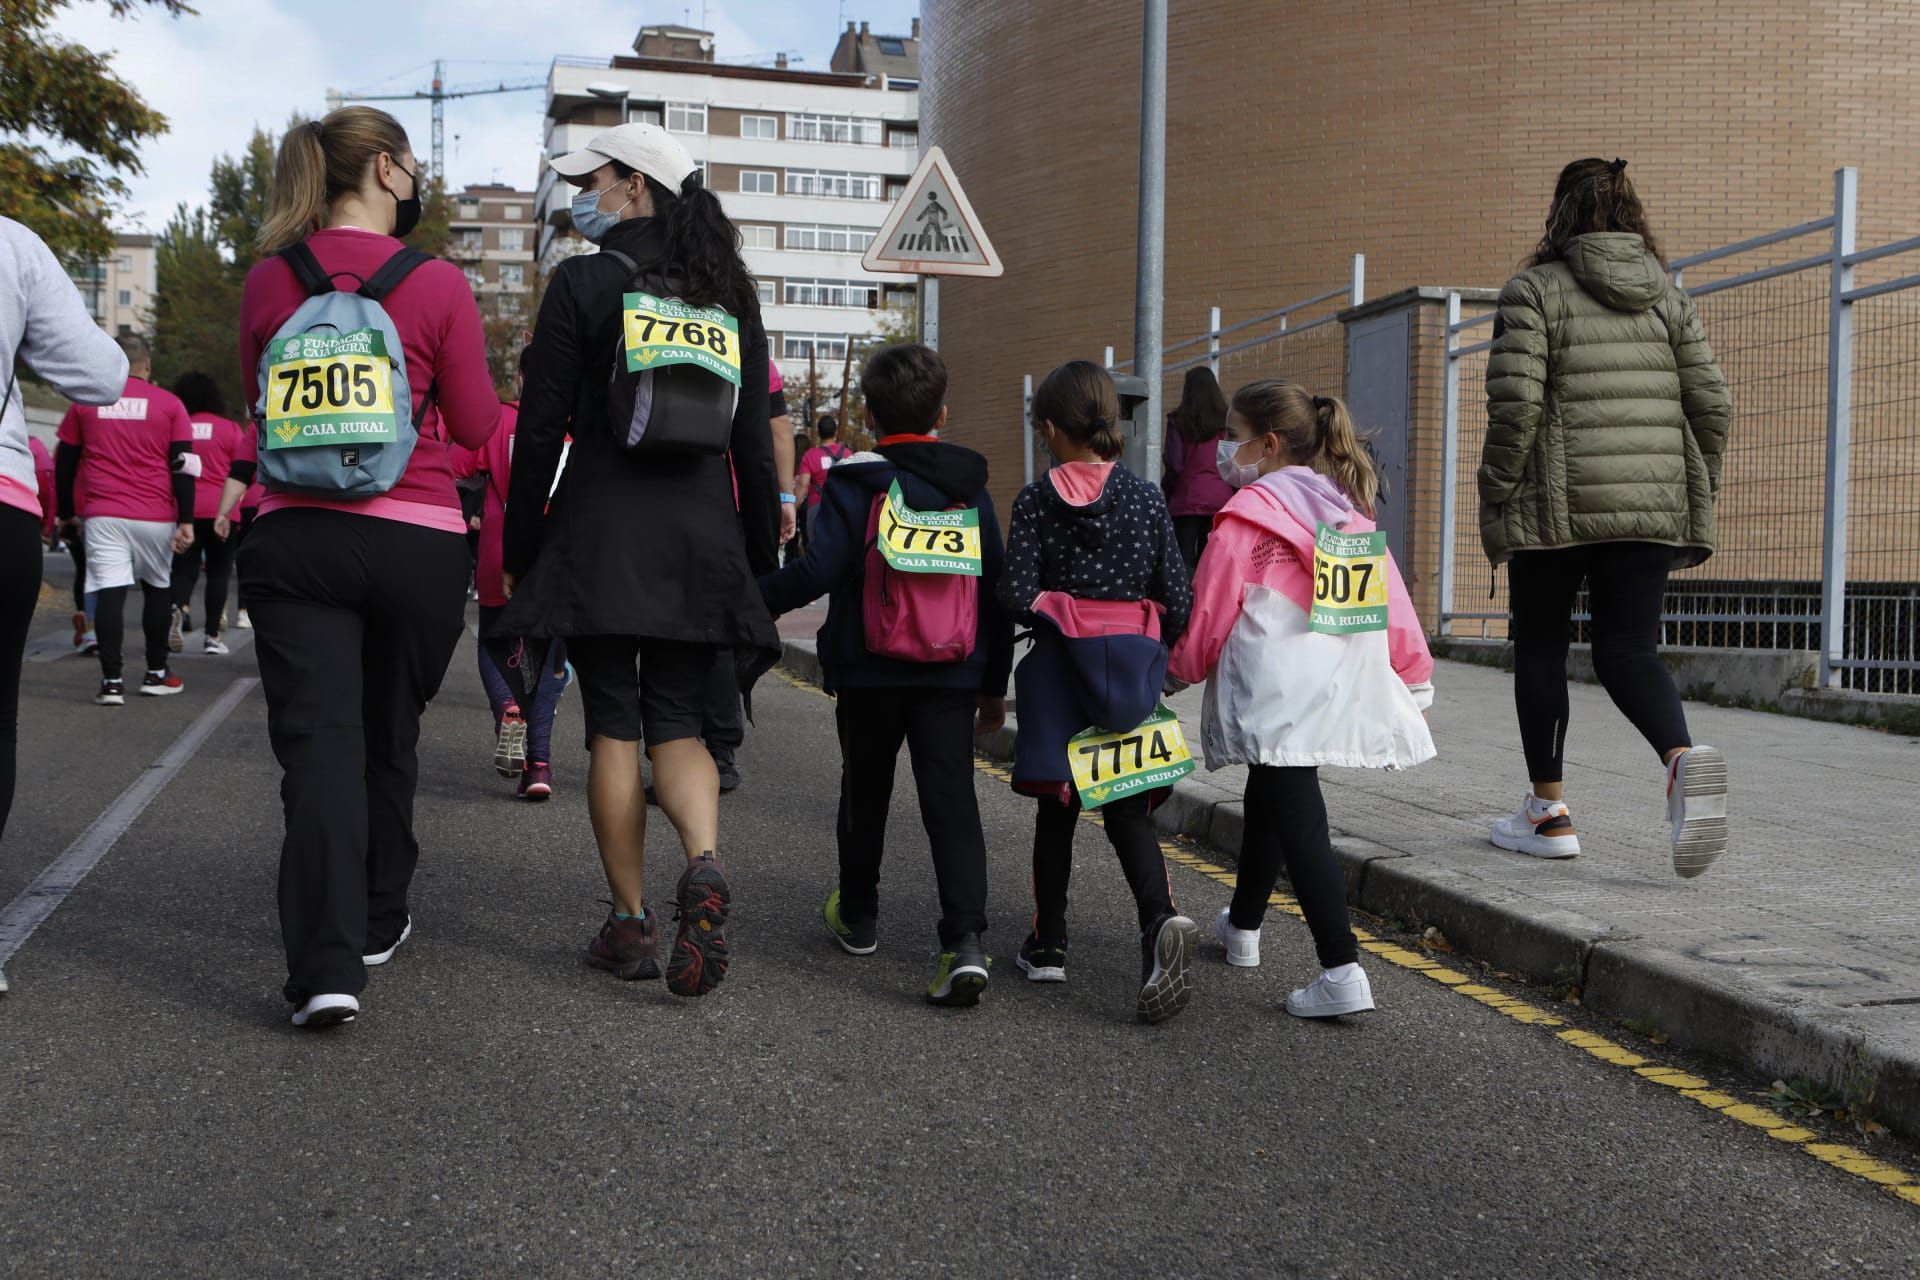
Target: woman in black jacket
(645,562)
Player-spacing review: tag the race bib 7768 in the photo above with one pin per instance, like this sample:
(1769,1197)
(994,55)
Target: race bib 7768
(660,331)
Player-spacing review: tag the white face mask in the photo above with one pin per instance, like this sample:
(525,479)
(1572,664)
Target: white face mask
(1232,470)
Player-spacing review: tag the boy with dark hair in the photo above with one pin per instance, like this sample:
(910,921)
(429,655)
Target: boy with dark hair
(924,661)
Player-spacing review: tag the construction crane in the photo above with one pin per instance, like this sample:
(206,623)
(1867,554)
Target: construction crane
(438,94)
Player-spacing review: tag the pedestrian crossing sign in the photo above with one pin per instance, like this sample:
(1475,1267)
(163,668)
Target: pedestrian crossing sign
(932,229)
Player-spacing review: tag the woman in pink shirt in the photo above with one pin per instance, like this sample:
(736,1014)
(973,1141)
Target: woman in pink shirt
(357,603)
(216,442)
(1195,492)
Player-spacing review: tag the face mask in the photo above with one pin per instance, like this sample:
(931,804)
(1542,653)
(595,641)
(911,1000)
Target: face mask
(406,213)
(1226,462)
(590,220)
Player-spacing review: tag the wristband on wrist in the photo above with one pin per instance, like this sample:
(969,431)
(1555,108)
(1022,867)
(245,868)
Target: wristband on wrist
(788,499)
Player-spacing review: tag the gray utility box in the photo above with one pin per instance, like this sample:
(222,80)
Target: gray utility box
(1133,410)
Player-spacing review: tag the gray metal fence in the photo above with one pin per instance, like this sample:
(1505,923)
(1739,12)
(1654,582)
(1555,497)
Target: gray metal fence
(1819,511)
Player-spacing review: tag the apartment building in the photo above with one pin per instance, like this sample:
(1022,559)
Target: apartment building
(806,163)
(119,288)
(492,240)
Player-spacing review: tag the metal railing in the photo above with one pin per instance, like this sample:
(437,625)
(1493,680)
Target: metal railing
(1819,508)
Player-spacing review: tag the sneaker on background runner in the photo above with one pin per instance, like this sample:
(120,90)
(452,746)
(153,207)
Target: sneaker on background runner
(1166,968)
(242,621)
(1334,993)
(216,646)
(90,645)
(82,632)
(326,1011)
(1243,945)
(1043,961)
(1543,828)
(537,782)
(857,937)
(628,947)
(959,975)
(510,744)
(1697,809)
(700,957)
(161,684)
(176,630)
(380,957)
(729,770)
(113,693)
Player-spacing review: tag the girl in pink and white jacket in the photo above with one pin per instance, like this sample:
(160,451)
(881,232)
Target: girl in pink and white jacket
(1283,696)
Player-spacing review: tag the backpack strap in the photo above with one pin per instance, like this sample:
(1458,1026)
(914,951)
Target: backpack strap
(392,272)
(307,269)
(633,268)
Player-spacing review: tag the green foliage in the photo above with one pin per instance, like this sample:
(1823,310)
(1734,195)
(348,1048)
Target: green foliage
(238,191)
(195,304)
(70,130)
(435,231)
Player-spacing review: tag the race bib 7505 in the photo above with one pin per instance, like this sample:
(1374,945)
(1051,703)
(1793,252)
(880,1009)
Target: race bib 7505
(329,389)
(662,331)
(1349,582)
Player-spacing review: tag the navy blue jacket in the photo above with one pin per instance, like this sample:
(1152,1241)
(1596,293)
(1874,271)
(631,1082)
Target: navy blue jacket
(933,477)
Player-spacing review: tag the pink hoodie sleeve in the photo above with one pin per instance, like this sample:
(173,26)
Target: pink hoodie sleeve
(1219,585)
(1406,641)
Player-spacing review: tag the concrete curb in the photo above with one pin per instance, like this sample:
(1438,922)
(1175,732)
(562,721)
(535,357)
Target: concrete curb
(1699,1005)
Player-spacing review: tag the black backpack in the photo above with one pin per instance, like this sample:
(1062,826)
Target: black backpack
(676,371)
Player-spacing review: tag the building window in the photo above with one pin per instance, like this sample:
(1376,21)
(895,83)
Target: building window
(895,82)
(754,236)
(476,278)
(513,239)
(514,212)
(818,239)
(825,182)
(765,288)
(124,262)
(470,241)
(896,187)
(832,293)
(470,209)
(637,114)
(126,297)
(904,140)
(759,182)
(766,127)
(513,275)
(824,346)
(686,117)
(812,127)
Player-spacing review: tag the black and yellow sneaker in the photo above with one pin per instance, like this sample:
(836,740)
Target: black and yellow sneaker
(856,937)
(961,974)
(1043,961)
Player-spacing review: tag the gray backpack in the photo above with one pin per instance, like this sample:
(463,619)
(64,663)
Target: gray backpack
(335,410)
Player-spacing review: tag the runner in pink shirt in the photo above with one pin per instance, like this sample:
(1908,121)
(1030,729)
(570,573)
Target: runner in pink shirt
(216,442)
(815,465)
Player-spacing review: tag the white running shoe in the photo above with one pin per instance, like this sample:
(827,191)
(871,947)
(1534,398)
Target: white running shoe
(175,639)
(242,621)
(326,1011)
(1243,945)
(1542,828)
(1330,997)
(510,746)
(1697,808)
(381,957)
(216,646)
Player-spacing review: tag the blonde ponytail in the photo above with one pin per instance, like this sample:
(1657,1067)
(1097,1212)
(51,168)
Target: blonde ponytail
(1343,455)
(320,161)
(1317,431)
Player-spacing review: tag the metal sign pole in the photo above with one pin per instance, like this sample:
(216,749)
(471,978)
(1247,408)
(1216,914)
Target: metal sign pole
(1026,422)
(930,311)
(1150,266)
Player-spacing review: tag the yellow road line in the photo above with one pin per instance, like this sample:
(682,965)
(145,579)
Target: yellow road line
(1847,1159)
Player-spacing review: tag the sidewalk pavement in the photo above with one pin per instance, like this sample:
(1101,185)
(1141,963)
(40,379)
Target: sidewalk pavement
(1796,955)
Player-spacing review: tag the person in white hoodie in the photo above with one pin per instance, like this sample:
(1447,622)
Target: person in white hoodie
(1304,633)
(43,322)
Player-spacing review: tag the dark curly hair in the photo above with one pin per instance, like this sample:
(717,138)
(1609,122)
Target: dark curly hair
(1592,195)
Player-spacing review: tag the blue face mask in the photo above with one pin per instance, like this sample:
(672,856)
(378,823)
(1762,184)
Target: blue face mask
(590,220)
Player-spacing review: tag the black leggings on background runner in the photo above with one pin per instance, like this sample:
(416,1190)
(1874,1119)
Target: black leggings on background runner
(218,552)
(1134,839)
(1286,825)
(1626,585)
(19,591)
(110,626)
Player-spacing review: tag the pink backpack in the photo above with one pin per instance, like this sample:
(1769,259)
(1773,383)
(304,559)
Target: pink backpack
(916,617)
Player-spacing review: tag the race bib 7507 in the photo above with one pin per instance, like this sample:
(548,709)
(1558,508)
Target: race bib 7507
(662,331)
(1349,582)
(329,389)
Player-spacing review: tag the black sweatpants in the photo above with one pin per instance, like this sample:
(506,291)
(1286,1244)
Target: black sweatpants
(723,721)
(1192,532)
(19,590)
(1626,584)
(110,626)
(937,727)
(355,619)
(218,553)
(1131,832)
(1286,825)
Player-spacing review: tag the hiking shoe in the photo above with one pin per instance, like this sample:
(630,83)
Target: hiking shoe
(1243,945)
(242,621)
(1697,808)
(216,646)
(856,937)
(628,948)
(510,745)
(326,1011)
(379,958)
(1166,968)
(82,633)
(161,684)
(960,975)
(1043,961)
(113,693)
(1335,992)
(1542,828)
(536,783)
(699,957)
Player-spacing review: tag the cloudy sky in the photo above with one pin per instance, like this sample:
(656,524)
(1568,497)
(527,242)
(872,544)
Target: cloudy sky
(244,62)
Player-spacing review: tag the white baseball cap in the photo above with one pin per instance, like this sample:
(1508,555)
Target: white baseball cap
(645,147)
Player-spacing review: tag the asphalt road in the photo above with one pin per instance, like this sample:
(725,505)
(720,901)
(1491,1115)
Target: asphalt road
(501,1108)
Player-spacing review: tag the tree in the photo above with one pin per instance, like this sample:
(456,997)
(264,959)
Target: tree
(239,189)
(435,230)
(196,301)
(70,130)
(507,324)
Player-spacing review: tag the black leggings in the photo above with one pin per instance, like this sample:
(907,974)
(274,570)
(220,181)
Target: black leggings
(19,590)
(186,572)
(1132,834)
(1286,823)
(1626,583)
(110,626)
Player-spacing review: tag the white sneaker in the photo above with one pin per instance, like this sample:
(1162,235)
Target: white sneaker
(175,639)
(1697,808)
(326,1011)
(1243,945)
(242,621)
(381,957)
(1542,828)
(1330,997)
(215,645)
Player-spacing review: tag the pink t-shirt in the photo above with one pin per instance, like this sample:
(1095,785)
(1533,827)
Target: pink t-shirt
(43,480)
(216,441)
(439,325)
(815,465)
(495,458)
(1197,489)
(123,452)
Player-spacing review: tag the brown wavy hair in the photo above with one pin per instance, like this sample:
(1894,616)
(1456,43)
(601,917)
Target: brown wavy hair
(1592,195)
(321,160)
(1080,401)
(1203,409)
(1317,431)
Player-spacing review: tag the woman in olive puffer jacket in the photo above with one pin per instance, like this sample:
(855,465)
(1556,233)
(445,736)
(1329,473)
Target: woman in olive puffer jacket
(1607,423)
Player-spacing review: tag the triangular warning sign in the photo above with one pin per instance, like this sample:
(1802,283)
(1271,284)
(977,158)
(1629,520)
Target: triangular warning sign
(931,229)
